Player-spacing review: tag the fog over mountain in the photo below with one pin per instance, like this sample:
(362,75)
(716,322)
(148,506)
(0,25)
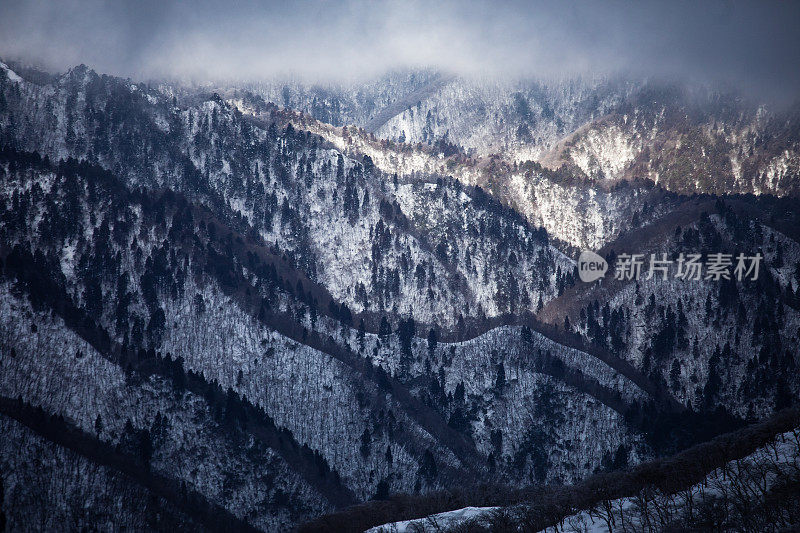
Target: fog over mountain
(739,43)
(355,266)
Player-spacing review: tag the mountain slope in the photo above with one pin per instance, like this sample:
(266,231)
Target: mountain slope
(288,317)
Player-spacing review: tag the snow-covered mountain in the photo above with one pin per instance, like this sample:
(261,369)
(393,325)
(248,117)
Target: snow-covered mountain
(274,301)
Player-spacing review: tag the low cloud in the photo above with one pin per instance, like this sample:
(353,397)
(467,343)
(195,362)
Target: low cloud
(751,45)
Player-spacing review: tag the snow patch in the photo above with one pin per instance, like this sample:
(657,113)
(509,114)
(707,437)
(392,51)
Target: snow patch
(437,522)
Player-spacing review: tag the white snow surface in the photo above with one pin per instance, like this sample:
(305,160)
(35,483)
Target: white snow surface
(437,522)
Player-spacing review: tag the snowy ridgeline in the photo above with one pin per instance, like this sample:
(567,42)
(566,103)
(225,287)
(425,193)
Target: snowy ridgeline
(717,155)
(47,365)
(317,397)
(576,213)
(337,219)
(523,118)
(608,129)
(525,405)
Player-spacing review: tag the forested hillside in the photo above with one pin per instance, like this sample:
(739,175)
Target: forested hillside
(220,312)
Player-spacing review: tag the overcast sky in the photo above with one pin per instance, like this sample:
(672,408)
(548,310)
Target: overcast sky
(753,45)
